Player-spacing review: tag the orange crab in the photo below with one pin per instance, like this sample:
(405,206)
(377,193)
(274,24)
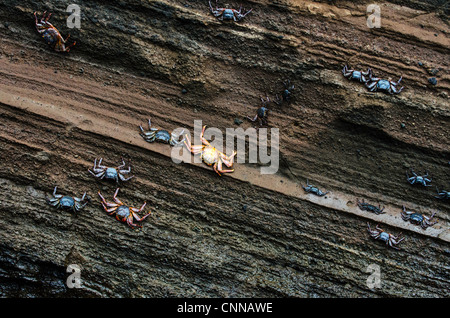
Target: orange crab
(124,213)
(50,34)
(210,155)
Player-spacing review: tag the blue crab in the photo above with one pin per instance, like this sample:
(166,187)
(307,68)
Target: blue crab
(369,207)
(112,173)
(50,34)
(418,179)
(287,93)
(262,113)
(314,190)
(228,14)
(418,219)
(124,213)
(362,77)
(380,234)
(375,84)
(442,194)
(67,202)
(159,135)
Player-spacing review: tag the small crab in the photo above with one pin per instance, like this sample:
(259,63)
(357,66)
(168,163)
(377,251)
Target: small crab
(418,219)
(67,202)
(418,179)
(442,194)
(389,239)
(375,84)
(357,75)
(210,155)
(50,34)
(163,136)
(228,14)
(369,207)
(123,212)
(314,190)
(262,113)
(115,173)
(286,95)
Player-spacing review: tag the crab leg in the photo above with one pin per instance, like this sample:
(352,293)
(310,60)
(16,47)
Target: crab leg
(204,141)
(228,161)
(140,209)
(100,163)
(122,165)
(218,168)
(174,140)
(106,203)
(372,86)
(48,16)
(35,18)
(151,132)
(77,206)
(194,149)
(346,71)
(363,74)
(57,196)
(109,211)
(130,221)
(122,178)
(369,71)
(115,197)
(138,218)
(97,169)
(100,174)
(82,198)
(390,243)
(65,40)
(125,170)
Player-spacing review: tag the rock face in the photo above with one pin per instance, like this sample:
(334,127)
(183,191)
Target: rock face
(243,234)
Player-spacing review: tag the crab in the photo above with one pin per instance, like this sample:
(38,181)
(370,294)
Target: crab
(314,190)
(369,207)
(67,202)
(124,213)
(228,14)
(163,136)
(375,84)
(442,194)
(418,219)
(380,234)
(357,75)
(116,173)
(286,95)
(418,179)
(210,155)
(262,113)
(51,35)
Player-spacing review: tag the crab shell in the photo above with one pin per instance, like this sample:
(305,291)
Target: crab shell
(210,155)
(228,14)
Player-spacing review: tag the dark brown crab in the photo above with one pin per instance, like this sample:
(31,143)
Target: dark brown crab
(369,207)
